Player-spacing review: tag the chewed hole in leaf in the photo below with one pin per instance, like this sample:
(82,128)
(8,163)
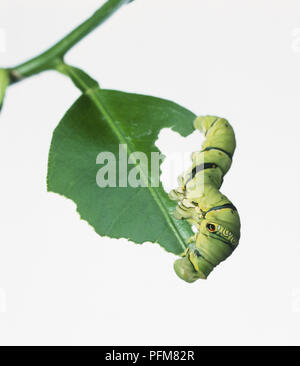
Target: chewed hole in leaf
(99,123)
(177,151)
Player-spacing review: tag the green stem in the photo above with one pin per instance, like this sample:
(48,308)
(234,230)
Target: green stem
(4,81)
(51,58)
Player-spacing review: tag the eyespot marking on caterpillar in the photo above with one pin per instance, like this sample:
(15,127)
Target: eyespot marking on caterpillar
(211,228)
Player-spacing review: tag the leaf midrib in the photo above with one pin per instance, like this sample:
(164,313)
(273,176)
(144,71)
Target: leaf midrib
(92,93)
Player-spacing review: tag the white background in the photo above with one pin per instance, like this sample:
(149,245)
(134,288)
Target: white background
(62,284)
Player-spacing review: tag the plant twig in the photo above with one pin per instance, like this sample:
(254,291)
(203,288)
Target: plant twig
(52,57)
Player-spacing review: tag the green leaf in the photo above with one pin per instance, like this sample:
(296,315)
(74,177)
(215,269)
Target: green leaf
(99,121)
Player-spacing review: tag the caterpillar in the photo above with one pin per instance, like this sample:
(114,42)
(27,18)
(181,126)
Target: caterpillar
(201,203)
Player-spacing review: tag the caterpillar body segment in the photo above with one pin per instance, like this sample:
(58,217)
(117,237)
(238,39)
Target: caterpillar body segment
(204,206)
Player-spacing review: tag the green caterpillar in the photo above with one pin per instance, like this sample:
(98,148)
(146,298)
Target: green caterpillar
(204,206)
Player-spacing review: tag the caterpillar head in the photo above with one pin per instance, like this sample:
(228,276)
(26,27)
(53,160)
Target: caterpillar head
(185,270)
(192,266)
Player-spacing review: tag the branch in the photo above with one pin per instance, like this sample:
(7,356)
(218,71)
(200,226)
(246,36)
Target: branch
(54,55)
